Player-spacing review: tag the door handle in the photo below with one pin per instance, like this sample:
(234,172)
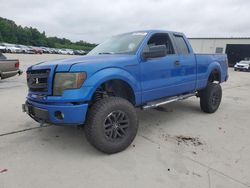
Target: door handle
(177,63)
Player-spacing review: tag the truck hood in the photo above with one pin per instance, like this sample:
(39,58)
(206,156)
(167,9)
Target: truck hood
(64,65)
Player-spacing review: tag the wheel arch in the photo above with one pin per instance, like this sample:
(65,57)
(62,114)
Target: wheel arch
(115,75)
(214,72)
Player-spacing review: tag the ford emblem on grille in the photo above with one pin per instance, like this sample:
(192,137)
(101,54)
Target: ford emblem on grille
(37,81)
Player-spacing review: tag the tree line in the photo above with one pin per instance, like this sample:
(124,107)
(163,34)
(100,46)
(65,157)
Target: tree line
(16,34)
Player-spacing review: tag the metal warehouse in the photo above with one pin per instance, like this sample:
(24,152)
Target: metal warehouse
(237,49)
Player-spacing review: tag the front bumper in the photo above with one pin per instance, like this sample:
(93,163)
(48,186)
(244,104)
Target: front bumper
(71,114)
(241,68)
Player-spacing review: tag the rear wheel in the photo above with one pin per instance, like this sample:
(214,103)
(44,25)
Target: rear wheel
(210,98)
(112,125)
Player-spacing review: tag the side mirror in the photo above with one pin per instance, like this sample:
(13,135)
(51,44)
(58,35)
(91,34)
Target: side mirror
(155,51)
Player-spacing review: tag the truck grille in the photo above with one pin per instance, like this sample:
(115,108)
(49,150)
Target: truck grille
(37,80)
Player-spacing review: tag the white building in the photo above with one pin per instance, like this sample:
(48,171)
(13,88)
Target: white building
(236,48)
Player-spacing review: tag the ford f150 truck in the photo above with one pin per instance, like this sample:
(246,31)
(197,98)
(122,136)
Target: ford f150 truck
(8,67)
(101,90)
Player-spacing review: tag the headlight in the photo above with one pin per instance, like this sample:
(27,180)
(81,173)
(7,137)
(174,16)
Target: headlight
(69,80)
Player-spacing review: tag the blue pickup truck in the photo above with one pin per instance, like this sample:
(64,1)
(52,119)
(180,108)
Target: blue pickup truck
(142,69)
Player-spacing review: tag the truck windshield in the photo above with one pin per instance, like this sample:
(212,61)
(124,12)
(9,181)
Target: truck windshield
(120,44)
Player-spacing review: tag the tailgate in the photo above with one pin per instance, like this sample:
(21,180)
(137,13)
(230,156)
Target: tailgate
(9,65)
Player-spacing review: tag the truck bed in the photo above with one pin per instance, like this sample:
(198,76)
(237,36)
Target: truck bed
(204,61)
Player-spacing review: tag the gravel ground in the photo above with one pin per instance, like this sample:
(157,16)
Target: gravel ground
(177,145)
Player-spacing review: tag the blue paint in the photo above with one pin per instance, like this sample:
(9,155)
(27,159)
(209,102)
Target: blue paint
(150,79)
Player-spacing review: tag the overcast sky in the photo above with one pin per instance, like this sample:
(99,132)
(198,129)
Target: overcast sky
(95,20)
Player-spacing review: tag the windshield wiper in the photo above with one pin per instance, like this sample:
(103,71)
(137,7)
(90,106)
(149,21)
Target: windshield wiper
(106,53)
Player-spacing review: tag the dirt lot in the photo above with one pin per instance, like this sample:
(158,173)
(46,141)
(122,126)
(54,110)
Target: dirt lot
(177,145)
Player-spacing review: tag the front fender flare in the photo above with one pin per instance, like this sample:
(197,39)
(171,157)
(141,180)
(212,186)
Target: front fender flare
(107,74)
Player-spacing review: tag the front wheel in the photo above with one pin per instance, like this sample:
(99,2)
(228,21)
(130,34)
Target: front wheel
(210,98)
(112,125)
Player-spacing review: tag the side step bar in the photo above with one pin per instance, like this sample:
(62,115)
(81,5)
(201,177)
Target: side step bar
(160,102)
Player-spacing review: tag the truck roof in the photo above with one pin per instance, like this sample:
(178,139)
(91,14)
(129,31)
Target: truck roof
(156,31)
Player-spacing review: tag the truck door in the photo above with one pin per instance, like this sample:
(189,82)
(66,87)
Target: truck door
(171,75)
(187,64)
(159,76)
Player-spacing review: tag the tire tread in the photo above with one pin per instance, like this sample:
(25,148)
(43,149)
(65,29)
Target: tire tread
(205,97)
(93,122)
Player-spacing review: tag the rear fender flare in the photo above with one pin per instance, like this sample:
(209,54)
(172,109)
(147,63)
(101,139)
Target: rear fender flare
(214,66)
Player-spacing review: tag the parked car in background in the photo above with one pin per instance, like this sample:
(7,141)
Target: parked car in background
(25,49)
(63,51)
(18,48)
(70,52)
(2,48)
(12,48)
(243,65)
(55,50)
(66,51)
(46,50)
(8,67)
(79,52)
(83,52)
(37,50)
(76,52)
(50,50)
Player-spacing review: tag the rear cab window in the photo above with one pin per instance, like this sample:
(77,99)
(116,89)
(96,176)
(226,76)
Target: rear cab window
(181,45)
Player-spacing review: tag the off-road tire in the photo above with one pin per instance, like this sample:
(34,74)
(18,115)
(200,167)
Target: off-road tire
(210,98)
(96,129)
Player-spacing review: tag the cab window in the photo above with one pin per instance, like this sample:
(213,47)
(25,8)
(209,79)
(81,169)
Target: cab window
(161,39)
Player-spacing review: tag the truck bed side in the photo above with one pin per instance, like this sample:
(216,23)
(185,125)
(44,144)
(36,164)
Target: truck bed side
(206,64)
